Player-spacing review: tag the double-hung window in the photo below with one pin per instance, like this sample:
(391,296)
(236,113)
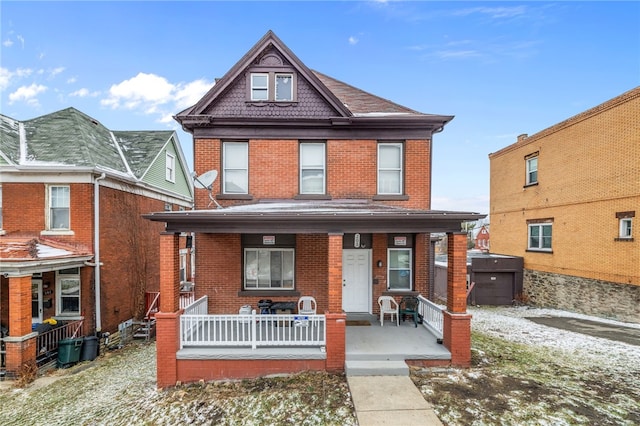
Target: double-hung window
(399,269)
(68,292)
(390,168)
(272,87)
(532,169)
(259,86)
(540,235)
(170,163)
(59,202)
(312,168)
(235,158)
(625,225)
(269,268)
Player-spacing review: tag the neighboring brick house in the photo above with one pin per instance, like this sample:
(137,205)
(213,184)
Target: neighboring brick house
(567,199)
(481,241)
(324,191)
(71,233)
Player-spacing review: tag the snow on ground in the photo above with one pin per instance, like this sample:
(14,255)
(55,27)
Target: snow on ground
(510,323)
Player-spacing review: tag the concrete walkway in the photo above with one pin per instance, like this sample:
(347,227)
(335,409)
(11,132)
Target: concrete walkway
(390,400)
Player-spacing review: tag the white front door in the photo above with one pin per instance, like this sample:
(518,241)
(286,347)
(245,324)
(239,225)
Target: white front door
(36,301)
(356,280)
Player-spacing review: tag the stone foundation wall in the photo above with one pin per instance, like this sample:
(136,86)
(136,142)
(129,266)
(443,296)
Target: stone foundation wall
(583,295)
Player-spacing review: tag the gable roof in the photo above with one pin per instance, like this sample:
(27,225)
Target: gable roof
(346,104)
(69,139)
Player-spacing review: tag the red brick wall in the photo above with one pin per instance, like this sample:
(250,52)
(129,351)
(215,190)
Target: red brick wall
(351,170)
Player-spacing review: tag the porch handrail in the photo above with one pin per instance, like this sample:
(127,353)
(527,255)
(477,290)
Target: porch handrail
(47,342)
(252,330)
(153,306)
(432,318)
(187,298)
(199,307)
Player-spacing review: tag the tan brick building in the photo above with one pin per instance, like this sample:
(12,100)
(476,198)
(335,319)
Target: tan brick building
(567,199)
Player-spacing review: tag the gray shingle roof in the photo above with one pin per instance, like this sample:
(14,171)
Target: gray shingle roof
(71,138)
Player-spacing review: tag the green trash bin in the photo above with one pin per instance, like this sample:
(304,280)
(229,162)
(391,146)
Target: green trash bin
(69,352)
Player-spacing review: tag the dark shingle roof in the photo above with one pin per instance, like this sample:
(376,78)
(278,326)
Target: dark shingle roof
(360,102)
(71,138)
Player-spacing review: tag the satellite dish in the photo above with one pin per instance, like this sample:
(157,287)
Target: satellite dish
(205,180)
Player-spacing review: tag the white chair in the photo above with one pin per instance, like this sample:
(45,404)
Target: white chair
(307,305)
(388,305)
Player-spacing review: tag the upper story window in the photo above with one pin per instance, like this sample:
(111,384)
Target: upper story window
(540,236)
(390,168)
(625,225)
(312,168)
(272,86)
(68,292)
(170,167)
(259,87)
(59,203)
(235,163)
(532,169)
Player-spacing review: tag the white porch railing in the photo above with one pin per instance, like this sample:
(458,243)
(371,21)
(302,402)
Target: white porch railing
(252,330)
(187,298)
(432,317)
(199,307)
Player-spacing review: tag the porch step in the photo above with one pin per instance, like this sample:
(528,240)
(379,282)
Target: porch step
(376,368)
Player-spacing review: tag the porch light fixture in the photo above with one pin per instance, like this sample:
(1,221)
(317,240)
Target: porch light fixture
(379,263)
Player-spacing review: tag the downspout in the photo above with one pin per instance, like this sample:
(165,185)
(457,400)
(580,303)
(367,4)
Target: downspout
(96,247)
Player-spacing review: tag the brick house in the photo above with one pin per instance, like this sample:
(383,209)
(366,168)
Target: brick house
(73,244)
(567,200)
(481,241)
(323,191)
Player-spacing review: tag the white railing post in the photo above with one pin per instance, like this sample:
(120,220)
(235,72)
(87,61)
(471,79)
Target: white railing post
(254,343)
(432,317)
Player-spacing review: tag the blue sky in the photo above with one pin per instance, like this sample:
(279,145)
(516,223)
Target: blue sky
(502,68)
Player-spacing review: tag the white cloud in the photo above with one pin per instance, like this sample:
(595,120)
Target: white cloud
(7,76)
(56,71)
(494,12)
(84,93)
(27,94)
(71,80)
(155,95)
(7,43)
(141,89)
(190,93)
(353,40)
(21,40)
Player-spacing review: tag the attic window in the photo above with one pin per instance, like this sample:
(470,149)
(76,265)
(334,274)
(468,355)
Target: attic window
(272,87)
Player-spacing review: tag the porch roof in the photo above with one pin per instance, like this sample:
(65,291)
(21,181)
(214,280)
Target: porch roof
(335,216)
(26,255)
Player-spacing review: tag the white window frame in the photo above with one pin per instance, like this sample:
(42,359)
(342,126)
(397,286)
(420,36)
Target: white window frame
(398,170)
(62,277)
(319,167)
(276,94)
(252,278)
(541,238)
(626,228)
(50,199)
(391,269)
(227,168)
(532,170)
(170,163)
(255,88)
(183,266)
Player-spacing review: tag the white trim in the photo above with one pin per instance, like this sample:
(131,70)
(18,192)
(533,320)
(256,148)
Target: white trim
(225,169)
(399,169)
(257,284)
(59,278)
(170,167)
(389,269)
(323,167)
(540,236)
(530,170)
(625,229)
(48,207)
(261,88)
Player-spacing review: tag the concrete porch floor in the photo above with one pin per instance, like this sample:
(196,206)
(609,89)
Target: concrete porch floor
(391,342)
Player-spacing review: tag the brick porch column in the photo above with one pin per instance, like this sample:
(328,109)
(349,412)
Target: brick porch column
(168,319)
(457,323)
(336,318)
(21,343)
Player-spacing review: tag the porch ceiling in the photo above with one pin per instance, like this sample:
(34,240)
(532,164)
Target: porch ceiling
(313,217)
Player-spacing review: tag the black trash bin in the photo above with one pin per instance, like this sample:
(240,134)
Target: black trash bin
(89,350)
(285,308)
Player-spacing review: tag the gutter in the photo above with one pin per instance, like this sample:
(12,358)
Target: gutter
(96,247)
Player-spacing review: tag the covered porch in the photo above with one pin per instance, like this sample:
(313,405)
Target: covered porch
(324,225)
